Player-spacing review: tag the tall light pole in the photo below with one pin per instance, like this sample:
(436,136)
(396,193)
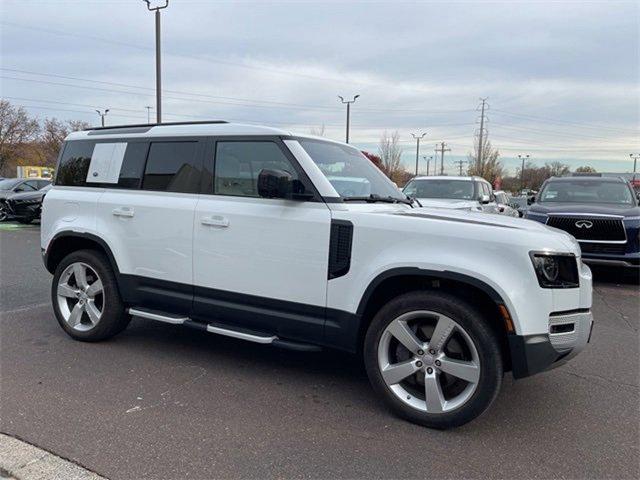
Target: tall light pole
(418,137)
(348,103)
(635,157)
(523,158)
(428,159)
(102,115)
(148,113)
(158,59)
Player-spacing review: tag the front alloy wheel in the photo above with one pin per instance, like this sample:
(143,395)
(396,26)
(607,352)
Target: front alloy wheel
(428,361)
(433,358)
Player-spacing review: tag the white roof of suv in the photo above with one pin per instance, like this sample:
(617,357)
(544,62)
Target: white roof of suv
(445,177)
(182,129)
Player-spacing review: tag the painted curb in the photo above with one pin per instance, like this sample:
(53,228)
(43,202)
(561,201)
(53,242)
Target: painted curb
(23,461)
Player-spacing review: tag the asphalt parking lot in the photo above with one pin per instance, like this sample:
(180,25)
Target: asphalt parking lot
(160,401)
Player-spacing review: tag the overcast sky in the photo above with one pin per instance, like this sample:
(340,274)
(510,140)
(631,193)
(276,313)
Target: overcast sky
(561,78)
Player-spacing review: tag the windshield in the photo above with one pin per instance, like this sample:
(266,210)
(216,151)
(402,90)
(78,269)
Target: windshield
(440,188)
(587,192)
(349,171)
(9,183)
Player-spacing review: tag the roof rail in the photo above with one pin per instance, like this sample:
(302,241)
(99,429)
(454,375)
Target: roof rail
(168,124)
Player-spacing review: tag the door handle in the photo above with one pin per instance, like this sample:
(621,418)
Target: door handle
(215,221)
(123,212)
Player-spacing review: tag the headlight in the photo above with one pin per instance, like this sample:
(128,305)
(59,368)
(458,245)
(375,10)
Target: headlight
(555,270)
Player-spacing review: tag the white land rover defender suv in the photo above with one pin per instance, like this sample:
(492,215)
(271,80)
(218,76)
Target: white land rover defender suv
(239,230)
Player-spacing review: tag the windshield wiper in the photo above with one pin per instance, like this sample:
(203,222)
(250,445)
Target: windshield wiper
(373,198)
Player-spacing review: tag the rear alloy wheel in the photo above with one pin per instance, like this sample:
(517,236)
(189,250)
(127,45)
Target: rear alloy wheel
(80,296)
(433,358)
(85,297)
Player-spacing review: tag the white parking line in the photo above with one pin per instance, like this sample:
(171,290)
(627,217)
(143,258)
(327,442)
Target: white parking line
(24,309)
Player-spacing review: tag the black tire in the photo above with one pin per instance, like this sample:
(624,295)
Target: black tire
(484,340)
(114,318)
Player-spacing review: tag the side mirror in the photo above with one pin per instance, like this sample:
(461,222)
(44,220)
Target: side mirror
(531,200)
(275,184)
(484,199)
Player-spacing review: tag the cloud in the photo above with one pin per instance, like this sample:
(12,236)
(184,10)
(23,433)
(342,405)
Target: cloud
(561,77)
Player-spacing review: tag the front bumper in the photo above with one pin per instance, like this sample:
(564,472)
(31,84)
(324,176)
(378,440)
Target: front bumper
(24,209)
(568,334)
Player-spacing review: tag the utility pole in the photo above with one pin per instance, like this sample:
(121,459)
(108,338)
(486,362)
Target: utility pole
(523,158)
(158,57)
(460,163)
(428,159)
(148,113)
(348,103)
(418,137)
(441,150)
(102,115)
(479,159)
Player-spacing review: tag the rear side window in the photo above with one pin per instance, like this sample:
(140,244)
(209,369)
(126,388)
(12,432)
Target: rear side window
(173,167)
(238,165)
(133,165)
(74,164)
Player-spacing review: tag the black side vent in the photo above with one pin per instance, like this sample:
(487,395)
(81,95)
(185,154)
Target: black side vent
(340,248)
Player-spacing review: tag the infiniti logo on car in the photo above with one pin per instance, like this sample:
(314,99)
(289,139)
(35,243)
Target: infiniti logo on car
(584,224)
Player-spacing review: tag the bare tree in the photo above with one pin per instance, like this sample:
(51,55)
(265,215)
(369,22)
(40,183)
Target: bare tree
(586,169)
(53,134)
(16,131)
(390,152)
(318,132)
(489,168)
(557,169)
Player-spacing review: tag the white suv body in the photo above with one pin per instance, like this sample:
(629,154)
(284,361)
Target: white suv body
(238,230)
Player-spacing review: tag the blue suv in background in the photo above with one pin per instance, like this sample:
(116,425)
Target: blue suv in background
(602,213)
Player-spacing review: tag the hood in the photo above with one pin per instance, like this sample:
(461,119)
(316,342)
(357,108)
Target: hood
(448,203)
(477,218)
(35,195)
(586,208)
(6,193)
(510,225)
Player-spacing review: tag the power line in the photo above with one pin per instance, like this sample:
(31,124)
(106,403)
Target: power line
(552,120)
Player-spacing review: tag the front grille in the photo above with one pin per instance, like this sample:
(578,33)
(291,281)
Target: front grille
(590,228)
(615,249)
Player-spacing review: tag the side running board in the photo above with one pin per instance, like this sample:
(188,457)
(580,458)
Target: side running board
(219,330)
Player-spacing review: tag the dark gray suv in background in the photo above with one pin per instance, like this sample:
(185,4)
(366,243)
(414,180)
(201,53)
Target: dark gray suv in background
(602,213)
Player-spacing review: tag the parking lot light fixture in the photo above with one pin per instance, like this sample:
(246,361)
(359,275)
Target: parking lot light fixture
(523,158)
(102,115)
(156,9)
(348,103)
(418,138)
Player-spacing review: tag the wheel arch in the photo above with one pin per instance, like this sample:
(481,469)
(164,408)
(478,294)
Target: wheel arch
(398,281)
(65,242)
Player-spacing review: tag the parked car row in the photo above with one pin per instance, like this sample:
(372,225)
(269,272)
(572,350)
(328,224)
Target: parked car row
(602,213)
(21,198)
